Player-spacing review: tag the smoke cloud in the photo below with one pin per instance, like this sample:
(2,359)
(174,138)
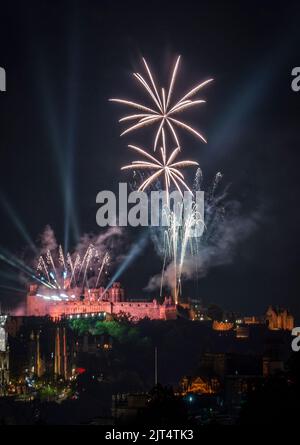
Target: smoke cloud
(47,240)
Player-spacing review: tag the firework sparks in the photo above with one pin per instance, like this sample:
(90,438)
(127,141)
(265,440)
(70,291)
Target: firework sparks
(75,267)
(104,263)
(90,253)
(164,112)
(183,244)
(42,267)
(61,257)
(179,239)
(166,167)
(58,271)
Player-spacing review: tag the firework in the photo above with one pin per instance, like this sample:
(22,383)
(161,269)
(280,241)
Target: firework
(104,263)
(164,166)
(91,251)
(70,262)
(75,267)
(164,112)
(61,257)
(180,239)
(181,251)
(59,271)
(42,267)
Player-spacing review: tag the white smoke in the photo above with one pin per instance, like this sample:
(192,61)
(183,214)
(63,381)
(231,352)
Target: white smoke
(111,239)
(47,240)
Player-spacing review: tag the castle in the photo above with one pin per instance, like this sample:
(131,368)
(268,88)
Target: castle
(78,302)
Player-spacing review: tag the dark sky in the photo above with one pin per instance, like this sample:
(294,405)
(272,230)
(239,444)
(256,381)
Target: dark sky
(59,136)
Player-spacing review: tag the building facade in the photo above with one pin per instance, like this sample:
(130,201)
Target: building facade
(76,301)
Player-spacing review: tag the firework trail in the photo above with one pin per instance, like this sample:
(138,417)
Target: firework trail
(89,256)
(181,238)
(198,180)
(165,111)
(85,256)
(77,263)
(70,263)
(42,266)
(61,257)
(49,260)
(105,262)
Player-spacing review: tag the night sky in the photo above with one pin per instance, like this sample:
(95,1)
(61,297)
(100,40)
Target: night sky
(59,135)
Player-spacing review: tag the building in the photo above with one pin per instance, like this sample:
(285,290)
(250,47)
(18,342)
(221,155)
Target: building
(196,310)
(278,318)
(236,390)
(253,320)
(221,365)
(127,407)
(242,332)
(76,301)
(275,319)
(198,385)
(4,355)
(272,366)
(38,347)
(222,325)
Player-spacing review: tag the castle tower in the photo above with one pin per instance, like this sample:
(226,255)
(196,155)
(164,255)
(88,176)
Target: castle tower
(116,293)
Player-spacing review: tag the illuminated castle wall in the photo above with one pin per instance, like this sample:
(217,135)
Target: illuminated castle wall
(76,301)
